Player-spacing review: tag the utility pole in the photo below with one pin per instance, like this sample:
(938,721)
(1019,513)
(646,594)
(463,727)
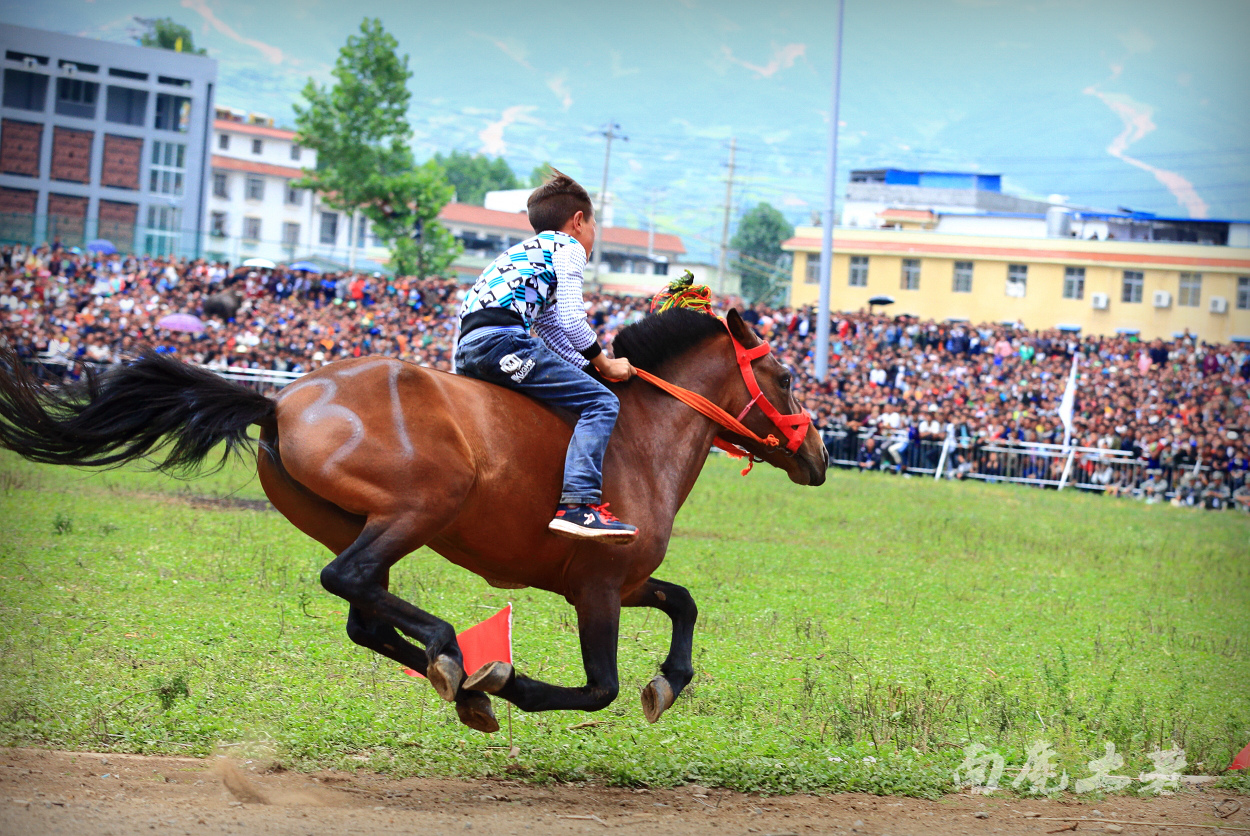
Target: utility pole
(826,225)
(724,232)
(609,133)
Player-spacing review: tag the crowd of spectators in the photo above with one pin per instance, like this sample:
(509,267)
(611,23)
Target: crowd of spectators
(898,387)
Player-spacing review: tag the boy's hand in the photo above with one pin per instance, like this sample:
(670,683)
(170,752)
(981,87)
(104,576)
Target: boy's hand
(615,369)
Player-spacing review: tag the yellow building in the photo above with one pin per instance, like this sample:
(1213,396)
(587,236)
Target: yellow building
(1101,287)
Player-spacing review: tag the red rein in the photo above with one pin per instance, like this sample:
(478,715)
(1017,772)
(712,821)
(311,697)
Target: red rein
(793,427)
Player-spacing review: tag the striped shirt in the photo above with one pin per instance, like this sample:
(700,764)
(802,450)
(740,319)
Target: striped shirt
(537,285)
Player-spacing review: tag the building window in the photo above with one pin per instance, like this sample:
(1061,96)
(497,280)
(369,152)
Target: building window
(962,279)
(168,164)
(294,196)
(290,234)
(223,142)
(220,185)
(251,229)
(126,106)
(255,188)
(1243,293)
(295,152)
(257,146)
(1074,283)
(329,227)
(812,276)
(660,268)
(25,91)
(1191,290)
(163,228)
(173,113)
(859,271)
(359,240)
(75,97)
(1131,290)
(218,227)
(910,279)
(1018,275)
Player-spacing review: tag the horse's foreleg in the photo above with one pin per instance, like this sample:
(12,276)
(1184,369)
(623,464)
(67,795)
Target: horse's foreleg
(678,668)
(598,627)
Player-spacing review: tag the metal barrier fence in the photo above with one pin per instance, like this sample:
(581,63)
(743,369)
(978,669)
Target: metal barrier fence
(1026,463)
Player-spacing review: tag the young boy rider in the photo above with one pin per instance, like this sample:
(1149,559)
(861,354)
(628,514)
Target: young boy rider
(538,284)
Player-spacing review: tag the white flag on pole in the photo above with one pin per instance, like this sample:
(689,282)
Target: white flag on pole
(1069,402)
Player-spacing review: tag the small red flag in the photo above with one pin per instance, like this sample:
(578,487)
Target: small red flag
(490,641)
(1242,761)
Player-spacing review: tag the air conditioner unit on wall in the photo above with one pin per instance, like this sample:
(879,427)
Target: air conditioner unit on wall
(1219,304)
(1100,301)
(1162,299)
(1016,289)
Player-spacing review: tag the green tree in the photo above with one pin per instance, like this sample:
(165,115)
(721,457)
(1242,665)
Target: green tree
(473,175)
(406,215)
(761,262)
(164,33)
(359,128)
(539,175)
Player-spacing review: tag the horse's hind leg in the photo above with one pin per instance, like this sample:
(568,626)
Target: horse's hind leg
(678,668)
(598,625)
(473,707)
(359,576)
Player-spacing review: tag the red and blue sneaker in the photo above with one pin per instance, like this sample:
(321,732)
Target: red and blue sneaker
(591,522)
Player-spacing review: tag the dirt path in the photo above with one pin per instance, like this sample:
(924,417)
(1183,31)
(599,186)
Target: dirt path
(80,793)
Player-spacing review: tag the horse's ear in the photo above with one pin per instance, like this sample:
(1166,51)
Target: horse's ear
(740,330)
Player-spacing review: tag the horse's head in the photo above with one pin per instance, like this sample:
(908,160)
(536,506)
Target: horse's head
(808,463)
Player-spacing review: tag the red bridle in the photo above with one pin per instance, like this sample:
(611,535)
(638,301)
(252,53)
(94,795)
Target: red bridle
(792,427)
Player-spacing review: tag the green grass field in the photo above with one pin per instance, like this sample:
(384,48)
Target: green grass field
(852,637)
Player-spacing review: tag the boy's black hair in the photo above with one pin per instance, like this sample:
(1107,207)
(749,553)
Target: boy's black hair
(552,204)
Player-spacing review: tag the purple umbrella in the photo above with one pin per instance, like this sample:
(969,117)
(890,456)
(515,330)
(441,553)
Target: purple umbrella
(180,322)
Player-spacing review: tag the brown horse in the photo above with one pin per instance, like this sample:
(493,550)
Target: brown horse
(375,458)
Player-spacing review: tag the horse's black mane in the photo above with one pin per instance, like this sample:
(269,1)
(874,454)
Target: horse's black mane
(659,337)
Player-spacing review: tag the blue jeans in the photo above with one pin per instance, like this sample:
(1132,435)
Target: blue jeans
(513,358)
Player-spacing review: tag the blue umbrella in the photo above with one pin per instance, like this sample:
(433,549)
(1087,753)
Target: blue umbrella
(306,266)
(101,245)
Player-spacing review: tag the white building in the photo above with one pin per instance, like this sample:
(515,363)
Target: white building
(254,211)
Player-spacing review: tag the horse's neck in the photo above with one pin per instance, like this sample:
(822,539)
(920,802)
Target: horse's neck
(672,441)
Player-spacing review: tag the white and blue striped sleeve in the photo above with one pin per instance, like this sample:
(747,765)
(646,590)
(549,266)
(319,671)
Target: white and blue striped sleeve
(569,264)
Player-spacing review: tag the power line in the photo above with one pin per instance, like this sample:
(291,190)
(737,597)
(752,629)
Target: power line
(724,235)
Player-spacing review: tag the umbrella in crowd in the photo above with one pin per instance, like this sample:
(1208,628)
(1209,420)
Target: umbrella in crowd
(881,300)
(306,266)
(262,263)
(180,322)
(101,245)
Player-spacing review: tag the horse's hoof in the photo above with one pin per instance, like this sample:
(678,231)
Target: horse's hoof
(475,711)
(490,678)
(657,697)
(445,674)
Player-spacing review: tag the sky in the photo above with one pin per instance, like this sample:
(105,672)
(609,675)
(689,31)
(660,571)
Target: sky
(1110,103)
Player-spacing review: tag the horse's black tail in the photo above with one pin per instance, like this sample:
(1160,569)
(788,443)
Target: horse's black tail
(153,405)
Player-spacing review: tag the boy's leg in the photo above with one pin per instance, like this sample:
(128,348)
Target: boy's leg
(522,362)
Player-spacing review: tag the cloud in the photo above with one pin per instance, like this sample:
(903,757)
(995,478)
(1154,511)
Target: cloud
(634,165)
(1138,121)
(492,135)
(783,58)
(776,137)
(510,47)
(1136,41)
(794,201)
(619,70)
(272,53)
(559,85)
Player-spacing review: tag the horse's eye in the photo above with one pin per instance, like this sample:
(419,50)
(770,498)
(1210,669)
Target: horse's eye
(785,381)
